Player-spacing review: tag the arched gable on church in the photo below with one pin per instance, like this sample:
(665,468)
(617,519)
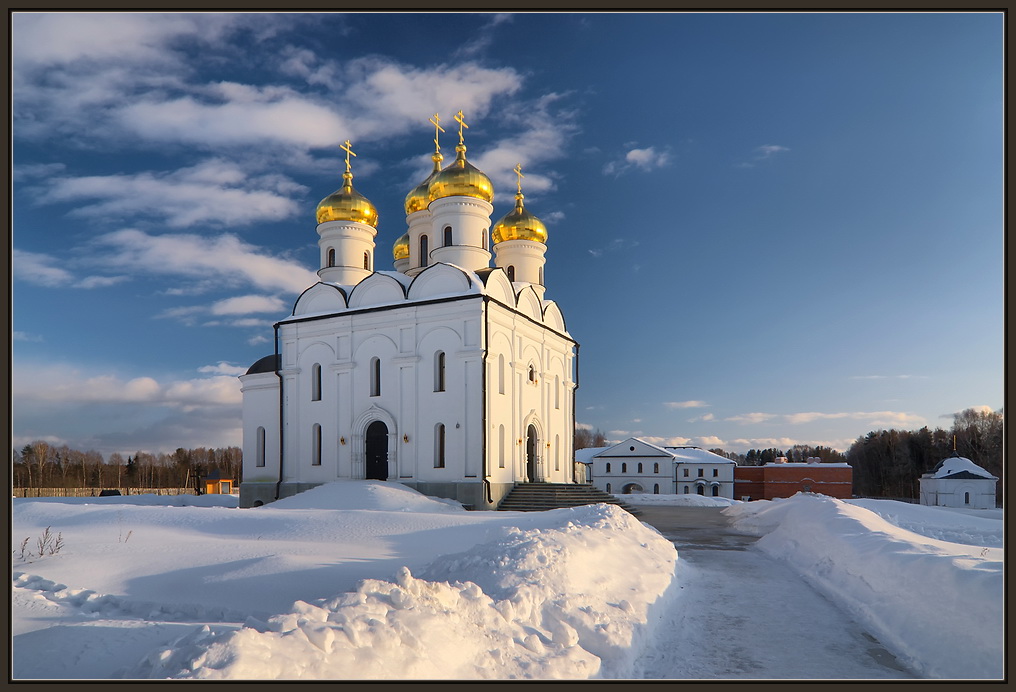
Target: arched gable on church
(498,287)
(320,297)
(440,280)
(377,289)
(529,304)
(552,316)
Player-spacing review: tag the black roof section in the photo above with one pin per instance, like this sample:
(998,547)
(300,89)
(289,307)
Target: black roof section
(266,364)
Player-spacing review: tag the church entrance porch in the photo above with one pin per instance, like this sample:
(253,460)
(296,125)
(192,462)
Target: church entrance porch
(376,451)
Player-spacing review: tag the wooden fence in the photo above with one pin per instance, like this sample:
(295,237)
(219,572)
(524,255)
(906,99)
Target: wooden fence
(94,492)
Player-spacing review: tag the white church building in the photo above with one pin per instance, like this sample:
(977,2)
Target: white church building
(446,374)
(958,482)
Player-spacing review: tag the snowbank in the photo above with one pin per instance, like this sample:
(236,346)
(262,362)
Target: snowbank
(530,603)
(380,495)
(676,500)
(392,585)
(936,604)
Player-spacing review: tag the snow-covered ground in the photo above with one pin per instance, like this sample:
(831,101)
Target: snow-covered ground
(926,581)
(362,579)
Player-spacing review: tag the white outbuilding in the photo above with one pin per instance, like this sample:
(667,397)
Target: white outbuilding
(635,466)
(958,482)
(448,374)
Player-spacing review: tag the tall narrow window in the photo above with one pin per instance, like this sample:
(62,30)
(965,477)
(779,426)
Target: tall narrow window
(331,257)
(315,458)
(500,447)
(439,442)
(966,498)
(532,373)
(315,382)
(557,452)
(439,371)
(557,391)
(716,472)
(424,251)
(511,272)
(656,488)
(686,490)
(640,467)
(366,260)
(656,468)
(447,236)
(716,491)
(500,373)
(375,376)
(624,468)
(608,467)
(541,276)
(608,487)
(260,458)
(484,242)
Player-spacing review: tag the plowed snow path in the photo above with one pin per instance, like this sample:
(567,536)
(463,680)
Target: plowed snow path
(742,615)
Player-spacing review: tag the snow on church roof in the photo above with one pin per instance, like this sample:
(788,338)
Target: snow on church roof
(951,467)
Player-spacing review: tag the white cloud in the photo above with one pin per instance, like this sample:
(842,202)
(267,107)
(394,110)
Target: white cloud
(646,159)
(44,270)
(666,441)
(226,257)
(257,339)
(25,336)
(223,368)
(762,153)
(888,377)
(875,418)
(685,404)
(710,441)
(245,305)
(752,417)
(214,192)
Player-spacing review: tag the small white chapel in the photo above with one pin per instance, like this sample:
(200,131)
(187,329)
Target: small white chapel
(451,373)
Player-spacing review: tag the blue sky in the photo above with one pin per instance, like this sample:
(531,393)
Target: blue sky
(766,229)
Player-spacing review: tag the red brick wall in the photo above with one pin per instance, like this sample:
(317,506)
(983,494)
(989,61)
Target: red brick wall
(780,480)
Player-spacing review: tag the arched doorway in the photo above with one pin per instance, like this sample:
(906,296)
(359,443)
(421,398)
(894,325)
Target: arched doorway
(376,443)
(531,453)
(632,488)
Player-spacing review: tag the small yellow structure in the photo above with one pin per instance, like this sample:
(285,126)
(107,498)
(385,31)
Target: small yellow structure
(215,484)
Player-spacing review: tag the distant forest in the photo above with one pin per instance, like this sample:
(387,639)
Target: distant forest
(886,463)
(40,465)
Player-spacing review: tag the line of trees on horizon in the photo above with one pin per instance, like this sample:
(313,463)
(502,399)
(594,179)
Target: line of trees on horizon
(41,465)
(886,463)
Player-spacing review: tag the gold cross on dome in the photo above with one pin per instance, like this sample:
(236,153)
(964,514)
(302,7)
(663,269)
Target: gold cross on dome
(518,172)
(436,120)
(462,124)
(348,148)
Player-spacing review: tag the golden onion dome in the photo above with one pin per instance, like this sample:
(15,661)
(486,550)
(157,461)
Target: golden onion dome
(346,204)
(419,197)
(461,178)
(401,248)
(519,224)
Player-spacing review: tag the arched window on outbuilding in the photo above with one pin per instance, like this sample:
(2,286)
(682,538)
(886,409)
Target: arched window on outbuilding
(439,371)
(439,446)
(315,458)
(375,376)
(315,382)
(260,458)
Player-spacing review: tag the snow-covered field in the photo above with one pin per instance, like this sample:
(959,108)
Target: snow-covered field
(363,580)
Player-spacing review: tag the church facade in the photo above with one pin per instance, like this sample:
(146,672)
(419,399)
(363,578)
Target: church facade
(447,374)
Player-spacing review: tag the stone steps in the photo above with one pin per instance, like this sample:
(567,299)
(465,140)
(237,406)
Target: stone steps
(537,497)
